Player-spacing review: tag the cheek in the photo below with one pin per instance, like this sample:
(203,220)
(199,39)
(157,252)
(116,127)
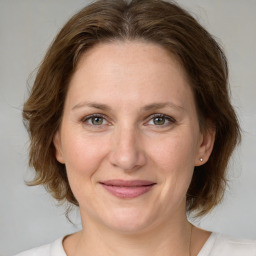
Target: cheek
(174,157)
(174,153)
(83,157)
(173,163)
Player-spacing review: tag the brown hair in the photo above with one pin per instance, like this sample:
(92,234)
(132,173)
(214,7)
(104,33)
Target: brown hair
(155,21)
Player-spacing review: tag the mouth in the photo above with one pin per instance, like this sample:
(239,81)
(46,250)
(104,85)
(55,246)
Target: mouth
(127,189)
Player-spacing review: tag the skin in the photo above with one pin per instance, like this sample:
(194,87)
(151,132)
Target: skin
(127,85)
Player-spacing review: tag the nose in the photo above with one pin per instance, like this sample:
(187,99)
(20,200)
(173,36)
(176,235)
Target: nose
(127,152)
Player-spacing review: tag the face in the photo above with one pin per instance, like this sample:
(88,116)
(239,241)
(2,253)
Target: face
(130,136)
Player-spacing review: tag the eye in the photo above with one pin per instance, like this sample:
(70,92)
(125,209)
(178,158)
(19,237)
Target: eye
(95,120)
(161,120)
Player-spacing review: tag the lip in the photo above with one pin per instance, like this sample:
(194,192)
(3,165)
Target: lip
(127,189)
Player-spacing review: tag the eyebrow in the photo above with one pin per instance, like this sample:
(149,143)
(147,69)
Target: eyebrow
(150,107)
(92,105)
(160,105)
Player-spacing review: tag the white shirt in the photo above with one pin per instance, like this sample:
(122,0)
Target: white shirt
(216,245)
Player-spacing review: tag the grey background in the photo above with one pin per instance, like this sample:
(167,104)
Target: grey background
(28,215)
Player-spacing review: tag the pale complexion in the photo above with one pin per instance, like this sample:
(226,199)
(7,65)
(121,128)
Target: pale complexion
(130,114)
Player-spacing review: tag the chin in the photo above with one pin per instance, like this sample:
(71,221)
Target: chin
(129,221)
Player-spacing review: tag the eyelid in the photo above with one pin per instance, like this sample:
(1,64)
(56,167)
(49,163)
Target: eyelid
(86,118)
(171,119)
(163,115)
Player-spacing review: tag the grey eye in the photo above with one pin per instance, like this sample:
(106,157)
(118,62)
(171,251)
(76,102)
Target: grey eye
(97,120)
(159,120)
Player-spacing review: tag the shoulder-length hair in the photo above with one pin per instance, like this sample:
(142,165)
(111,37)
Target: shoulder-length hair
(156,21)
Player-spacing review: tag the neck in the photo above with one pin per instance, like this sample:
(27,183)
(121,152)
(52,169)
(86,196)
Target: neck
(172,238)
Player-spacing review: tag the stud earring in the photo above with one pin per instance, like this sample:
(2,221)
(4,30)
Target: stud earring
(201,159)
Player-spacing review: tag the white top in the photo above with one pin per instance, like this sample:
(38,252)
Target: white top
(216,245)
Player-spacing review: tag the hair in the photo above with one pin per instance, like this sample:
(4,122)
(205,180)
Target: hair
(155,21)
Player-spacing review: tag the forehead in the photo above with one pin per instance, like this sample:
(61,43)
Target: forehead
(129,70)
(129,53)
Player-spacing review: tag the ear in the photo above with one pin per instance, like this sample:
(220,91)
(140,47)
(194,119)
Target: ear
(206,144)
(58,147)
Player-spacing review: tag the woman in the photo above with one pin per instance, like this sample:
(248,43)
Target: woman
(130,119)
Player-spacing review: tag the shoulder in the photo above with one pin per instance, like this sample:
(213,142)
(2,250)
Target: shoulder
(52,249)
(222,245)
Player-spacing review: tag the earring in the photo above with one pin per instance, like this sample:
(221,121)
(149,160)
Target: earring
(201,159)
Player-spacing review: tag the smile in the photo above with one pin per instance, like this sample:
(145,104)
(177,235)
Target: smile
(127,189)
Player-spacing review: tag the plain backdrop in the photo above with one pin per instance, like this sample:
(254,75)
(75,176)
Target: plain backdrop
(28,215)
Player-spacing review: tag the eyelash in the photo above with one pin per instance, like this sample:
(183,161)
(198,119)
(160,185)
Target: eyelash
(87,118)
(167,118)
(170,119)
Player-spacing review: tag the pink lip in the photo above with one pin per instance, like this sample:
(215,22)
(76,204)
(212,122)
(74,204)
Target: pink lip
(127,188)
